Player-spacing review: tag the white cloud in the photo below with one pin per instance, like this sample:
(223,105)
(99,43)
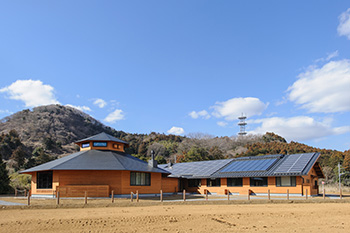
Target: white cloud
(114,116)
(100,103)
(221,123)
(204,114)
(81,108)
(324,89)
(344,24)
(32,92)
(329,57)
(298,128)
(233,108)
(176,130)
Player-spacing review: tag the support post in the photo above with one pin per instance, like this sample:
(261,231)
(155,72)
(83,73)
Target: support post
(288,194)
(25,192)
(15,192)
(268,194)
(112,196)
(324,193)
(206,195)
(131,197)
(228,194)
(58,198)
(137,195)
(85,198)
(161,195)
(341,194)
(184,195)
(306,194)
(29,199)
(248,195)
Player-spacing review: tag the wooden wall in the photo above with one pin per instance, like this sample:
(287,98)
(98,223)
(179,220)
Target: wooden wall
(118,181)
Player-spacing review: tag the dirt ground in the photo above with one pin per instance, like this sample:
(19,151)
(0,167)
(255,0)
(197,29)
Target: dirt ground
(268,217)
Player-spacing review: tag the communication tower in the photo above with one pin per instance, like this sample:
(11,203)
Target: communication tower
(242,125)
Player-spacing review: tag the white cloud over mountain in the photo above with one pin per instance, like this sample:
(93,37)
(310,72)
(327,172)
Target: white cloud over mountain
(100,103)
(32,92)
(176,130)
(81,108)
(233,108)
(298,128)
(324,89)
(115,116)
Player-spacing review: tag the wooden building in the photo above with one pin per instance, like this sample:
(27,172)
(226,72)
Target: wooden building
(101,166)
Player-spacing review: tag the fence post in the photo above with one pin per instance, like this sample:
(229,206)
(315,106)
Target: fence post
(248,195)
(287,194)
(112,196)
(228,194)
(137,195)
(161,195)
(324,193)
(206,194)
(184,195)
(85,198)
(29,199)
(15,192)
(131,196)
(25,192)
(341,194)
(306,194)
(58,198)
(268,194)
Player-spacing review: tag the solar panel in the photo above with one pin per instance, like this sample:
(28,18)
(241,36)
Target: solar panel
(249,165)
(294,163)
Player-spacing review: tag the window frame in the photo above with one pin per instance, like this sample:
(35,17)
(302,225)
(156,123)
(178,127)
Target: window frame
(265,184)
(143,178)
(43,180)
(293,181)
(229,184)
(216,180)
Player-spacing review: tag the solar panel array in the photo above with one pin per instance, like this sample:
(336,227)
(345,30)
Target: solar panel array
(294,163)
(250,165)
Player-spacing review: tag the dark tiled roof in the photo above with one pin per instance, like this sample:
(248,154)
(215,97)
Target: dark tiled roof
(97,160)
(194,170)
(102,137)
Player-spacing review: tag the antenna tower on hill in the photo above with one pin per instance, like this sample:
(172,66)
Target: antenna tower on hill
(242,125)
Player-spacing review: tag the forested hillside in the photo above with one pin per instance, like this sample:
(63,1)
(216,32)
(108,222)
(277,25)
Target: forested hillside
(29,138)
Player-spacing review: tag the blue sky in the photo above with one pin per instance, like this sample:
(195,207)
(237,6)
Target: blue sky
(184,66)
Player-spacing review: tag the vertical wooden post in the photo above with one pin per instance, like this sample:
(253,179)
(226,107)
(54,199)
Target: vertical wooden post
(184,195)
(15,192)
(161,195)
(268,194)
(131,196)
(306,194)
(58,198)
(112,196)
(25,192)
(248,195)
(324,193)
(137,195)
(29,199)
(287,194)
(206,195)
(341,194)
(85,197)
(228,194)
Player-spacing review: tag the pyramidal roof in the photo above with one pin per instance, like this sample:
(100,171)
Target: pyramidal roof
(102,137)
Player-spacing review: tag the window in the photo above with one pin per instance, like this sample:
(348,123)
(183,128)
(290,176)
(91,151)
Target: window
(116,146)
(100,144)
(286,181)
(214,182)
(44,180)
(140,179)
(194,183)
(258,181)
(84,145)
(234,182)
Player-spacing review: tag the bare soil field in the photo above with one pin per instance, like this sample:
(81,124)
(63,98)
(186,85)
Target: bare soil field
(173,217)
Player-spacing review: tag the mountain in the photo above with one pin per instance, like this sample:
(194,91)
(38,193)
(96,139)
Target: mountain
(55,127)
